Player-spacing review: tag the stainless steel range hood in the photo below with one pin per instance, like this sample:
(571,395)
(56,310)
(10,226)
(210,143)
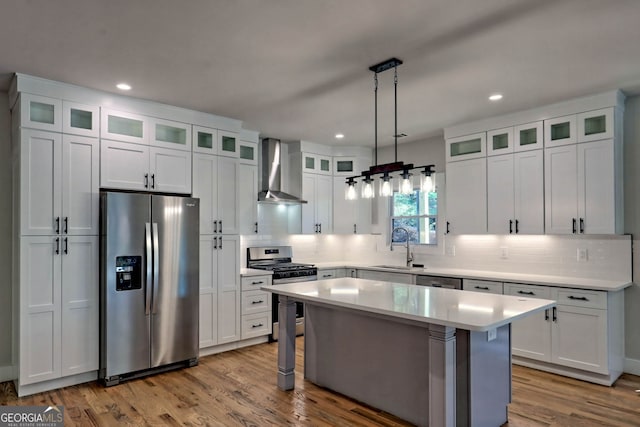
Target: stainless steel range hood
(270,179)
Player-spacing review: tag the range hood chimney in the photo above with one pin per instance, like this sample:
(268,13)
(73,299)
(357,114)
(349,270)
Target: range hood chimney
(270,179)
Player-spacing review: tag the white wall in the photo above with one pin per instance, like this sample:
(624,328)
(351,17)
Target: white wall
(5,235)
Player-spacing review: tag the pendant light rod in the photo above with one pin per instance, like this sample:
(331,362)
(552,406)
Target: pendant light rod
(375,91)
(395,108)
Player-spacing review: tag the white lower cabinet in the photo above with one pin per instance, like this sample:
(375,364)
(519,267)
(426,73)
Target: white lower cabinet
(486,286)
(58,304)
(385,276)
(256,307)
(219,289)
(327,274)
(583,332)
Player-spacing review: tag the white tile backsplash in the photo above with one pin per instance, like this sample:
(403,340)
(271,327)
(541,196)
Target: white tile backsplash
(609,257)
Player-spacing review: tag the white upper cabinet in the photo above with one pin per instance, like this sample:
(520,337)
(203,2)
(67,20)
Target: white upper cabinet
(467,197)
(228,144)
(40,112)
(500,195)
(124,165)
(560,131)
(248,152)
(170,134)
(561,189)
(596,188)
(595,125)
(500,141)
(529,192)
(205,140)
(247,197)
(169,170)
(80,119)
(317,190)
(527,137)
(125,127)
(345,166)
(316,163)
(466,147)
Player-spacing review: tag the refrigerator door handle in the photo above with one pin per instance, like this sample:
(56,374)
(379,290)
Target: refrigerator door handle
(147,286)
(156,267)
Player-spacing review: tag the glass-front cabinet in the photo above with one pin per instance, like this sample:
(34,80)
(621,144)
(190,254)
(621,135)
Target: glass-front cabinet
(170,134)
(125,127)
(595,125)
(528,136)
(560,131)
(40,112)
(80,119)
(205,140)
(466,147)
(344,166)
(500,141)
(248,152)
(315,163)
(228,144)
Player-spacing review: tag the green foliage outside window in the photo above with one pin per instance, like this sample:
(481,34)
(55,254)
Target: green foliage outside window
(417,213)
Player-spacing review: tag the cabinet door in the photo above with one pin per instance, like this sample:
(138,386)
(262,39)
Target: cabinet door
(124,166)
(560,192)
(309,223)
(80,119)
(466,147)
(596,188)
(344,211)
(344,166)
(205,140)
(40,112)
(125,127)
(560,131)
(208,292)
(80,304)
(170,134)
(228,144)
(324,199)
(205,187)
(40,180)
(228,253)
(485,286)
(527,137)
(467,197)
(40,309)
(595,125)
(170,170)
(500,195)
(579,338)
(228,174)
(500,141)
(247,198)
(80,186)
(248,152)
(529,192)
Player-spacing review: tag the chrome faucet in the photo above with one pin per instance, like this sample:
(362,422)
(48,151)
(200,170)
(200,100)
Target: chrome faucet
(409,253)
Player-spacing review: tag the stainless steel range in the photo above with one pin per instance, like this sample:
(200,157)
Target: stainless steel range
(278,260)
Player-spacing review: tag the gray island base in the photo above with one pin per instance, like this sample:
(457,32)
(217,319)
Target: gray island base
(434,357)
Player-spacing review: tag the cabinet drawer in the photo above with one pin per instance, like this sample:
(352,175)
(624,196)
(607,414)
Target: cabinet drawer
(530,291)
(256,302)
(326,274)
(482,286)
(255,325)
(582,298)
(254,282)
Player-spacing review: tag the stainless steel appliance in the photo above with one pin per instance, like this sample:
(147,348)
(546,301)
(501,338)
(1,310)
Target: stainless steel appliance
(278,260)
(439,282)
(149,290)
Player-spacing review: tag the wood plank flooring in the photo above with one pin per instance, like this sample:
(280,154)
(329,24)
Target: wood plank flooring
(238,388)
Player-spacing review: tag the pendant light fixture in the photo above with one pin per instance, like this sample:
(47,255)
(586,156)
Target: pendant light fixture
(385,171)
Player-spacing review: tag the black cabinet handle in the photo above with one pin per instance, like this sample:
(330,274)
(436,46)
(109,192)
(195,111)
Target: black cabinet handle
(256,227)
(215,226)
(257,283)
(57,245)
(517,226)
(555,314)
(66,246)
(153,180)
(320,225)
(546,314)
(582,225)
(220,225)
(146,180)
(526,293)
(66,224)
(215,243)
(355,229)
(483,288)
(578,298)
(327,275)
(57,225)
(510,226)
(447,231)
(573,227)
(257,325)
(257,302)
(220,243)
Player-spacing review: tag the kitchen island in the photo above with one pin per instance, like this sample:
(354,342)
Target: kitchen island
(435,357)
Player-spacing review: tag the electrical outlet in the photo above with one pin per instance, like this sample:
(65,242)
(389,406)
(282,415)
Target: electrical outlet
(492,334)
(504,252)
(450,250)
(583,254)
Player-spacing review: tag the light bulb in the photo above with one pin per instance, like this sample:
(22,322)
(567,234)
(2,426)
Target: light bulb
(385,190)
(367,190)
(427,184)
(406,187)
(351,192)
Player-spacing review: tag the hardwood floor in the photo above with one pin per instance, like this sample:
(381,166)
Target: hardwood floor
(238,388)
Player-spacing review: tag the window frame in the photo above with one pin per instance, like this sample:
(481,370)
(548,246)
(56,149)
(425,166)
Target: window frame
(418,218)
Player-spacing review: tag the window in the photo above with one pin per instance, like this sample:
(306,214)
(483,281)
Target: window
(418,214)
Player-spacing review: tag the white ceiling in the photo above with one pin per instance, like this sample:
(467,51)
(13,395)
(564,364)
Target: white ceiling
(298,69)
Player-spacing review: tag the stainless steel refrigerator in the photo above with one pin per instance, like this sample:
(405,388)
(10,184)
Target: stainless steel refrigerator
(149,291)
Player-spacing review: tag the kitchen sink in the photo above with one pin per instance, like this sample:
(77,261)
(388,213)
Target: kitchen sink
(397,267)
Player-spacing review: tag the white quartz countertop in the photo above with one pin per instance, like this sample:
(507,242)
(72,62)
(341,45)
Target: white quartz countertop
(472,311)
(248,272)
(531,279)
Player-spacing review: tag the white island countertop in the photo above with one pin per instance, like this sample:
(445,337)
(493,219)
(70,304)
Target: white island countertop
(473,311)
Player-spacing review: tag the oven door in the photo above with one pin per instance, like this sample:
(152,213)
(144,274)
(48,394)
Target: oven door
(299,307)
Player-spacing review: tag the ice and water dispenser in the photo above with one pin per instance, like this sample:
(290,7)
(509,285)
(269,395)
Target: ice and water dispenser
(128,273)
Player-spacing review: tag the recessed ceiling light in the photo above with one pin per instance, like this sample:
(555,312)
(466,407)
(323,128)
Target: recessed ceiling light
(123,86)
(495,97)
(339,135)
